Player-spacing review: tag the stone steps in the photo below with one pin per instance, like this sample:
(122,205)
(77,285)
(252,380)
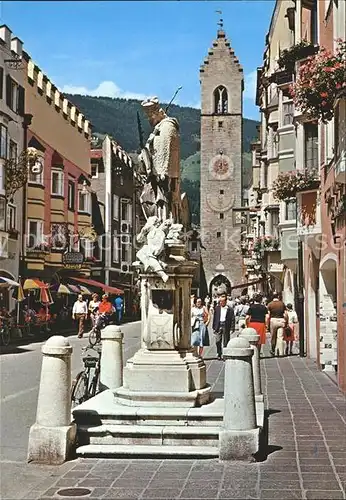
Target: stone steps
(93,450)
(151,435)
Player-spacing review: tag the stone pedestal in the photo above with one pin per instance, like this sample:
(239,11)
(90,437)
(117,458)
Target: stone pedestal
(252,337)
(111,374)
(52,436)
(165,371)
(239,439)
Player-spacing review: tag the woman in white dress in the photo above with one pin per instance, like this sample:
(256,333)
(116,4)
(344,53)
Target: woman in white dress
(199,325)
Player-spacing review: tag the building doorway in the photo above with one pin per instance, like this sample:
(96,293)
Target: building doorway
(328,314)
(219,284)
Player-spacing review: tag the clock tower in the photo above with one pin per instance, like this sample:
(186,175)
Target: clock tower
(221,78)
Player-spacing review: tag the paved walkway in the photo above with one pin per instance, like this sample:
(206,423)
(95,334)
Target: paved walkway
(305,457)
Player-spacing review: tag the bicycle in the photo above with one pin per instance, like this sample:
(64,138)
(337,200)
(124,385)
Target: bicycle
(95,332)
(5,331)
(86,383)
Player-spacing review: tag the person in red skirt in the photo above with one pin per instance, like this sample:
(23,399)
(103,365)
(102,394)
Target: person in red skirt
(257,318)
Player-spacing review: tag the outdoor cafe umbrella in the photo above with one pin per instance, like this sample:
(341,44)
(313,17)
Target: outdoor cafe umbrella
(33,284)
(7,282)
(84,290)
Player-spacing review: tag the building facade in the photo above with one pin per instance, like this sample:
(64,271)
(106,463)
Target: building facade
(12,78)
(57,198)
(115,218)
(295,144)
(221,78)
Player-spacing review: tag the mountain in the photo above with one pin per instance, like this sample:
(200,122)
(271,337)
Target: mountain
(118,118)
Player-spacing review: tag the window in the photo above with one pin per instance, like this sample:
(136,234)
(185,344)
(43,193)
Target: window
(116,249)
(287,113)
(88,247)
(126,252)
(2,214)
(115,207)
(126,210)
(2,179)
(11,217)
(35,233)
(37,178)
(84,201)
(57,182)
(218,234)
(291,209)
(94,170)
(274,223)
(221,191)
(220,100)
(221,216)
(220,124)
(14,96)
(3,141)
(194,246)
(311,145)
(13,152)
(71,195)
(59,236)
(1,83)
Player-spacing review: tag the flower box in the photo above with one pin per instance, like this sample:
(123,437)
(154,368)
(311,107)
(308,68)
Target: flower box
(319,81)
(297,52)
(287,184)
(13,233)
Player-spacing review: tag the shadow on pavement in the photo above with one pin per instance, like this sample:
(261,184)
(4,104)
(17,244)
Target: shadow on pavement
(265,448)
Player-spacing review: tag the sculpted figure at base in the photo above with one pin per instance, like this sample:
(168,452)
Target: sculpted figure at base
(159,162)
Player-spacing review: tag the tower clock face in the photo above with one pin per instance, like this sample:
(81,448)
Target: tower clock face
(221,167)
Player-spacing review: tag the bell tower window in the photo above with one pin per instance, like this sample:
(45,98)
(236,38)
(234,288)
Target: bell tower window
(220,100)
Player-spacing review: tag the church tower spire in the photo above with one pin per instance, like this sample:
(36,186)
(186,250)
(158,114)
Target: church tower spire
(221,78)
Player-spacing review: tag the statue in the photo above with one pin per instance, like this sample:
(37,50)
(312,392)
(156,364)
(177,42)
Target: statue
(153,236)
(160,163)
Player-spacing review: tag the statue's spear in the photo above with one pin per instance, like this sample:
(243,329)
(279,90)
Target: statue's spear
(170,102)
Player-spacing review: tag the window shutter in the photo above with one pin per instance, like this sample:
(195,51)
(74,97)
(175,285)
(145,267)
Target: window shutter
(9,91)
(21,100)
(1,82)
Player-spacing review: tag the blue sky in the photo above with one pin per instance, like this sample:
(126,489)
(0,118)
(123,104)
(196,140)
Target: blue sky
(137,48)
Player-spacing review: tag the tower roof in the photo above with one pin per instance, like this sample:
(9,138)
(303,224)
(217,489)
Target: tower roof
(220,45)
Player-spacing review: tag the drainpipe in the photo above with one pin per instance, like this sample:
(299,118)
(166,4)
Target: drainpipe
(26,124)
(300,311)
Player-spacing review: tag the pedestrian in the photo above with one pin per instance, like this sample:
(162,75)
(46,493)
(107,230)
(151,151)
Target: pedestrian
(207,302)
(257,318)
(193,299)
(79,313)
(223,324)
(277,321)
(93,308)
(241,311)
(291,329)
(119,307)
(199,324)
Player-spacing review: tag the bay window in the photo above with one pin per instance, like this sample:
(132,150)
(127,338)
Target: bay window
(84,201)
(2,214)
(35,233)
(57,182)
(3,141)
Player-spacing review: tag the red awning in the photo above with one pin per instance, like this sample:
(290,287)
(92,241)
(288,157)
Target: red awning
(97,284)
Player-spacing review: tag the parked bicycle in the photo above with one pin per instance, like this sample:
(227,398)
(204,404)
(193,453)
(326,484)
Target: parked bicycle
(86,383)
(5,331)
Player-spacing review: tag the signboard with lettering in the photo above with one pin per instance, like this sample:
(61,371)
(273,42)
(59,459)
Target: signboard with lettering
(73,260)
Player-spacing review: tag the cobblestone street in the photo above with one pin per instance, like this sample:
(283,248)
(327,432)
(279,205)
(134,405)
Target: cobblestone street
(305,457)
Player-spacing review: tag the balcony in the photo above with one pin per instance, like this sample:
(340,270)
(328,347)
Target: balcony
(38,251)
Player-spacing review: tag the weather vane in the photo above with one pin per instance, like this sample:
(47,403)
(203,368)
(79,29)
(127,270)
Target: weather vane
(220,23)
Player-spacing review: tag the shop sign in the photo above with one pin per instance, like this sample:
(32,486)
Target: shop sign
(275,267)
(73,260)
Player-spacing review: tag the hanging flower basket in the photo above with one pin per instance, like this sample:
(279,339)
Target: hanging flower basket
(319,81)
(287,184)
(301,50)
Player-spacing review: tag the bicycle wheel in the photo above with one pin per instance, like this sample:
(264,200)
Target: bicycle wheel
(5,335)
(93,337)
(94,387)
(79,392)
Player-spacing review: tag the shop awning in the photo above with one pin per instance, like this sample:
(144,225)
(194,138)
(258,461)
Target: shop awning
(7,282)
(97,284)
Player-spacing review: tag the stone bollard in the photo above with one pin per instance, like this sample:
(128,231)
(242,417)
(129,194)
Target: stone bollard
(252,337)
(239,439)
(52,436)
(111,375)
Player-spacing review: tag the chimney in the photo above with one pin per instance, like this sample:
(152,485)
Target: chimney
(5,35)
(17,46)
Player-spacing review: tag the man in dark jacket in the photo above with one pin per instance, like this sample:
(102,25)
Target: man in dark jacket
(223,324)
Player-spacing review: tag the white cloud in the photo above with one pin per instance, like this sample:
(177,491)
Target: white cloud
(104,89)
(250,85)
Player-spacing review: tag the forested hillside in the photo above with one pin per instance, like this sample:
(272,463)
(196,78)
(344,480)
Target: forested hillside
(118,118)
